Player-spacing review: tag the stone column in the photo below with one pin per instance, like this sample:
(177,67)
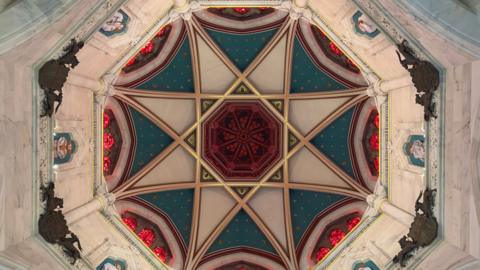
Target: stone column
(100,202)
(378,203)
(394,84)
(391,210)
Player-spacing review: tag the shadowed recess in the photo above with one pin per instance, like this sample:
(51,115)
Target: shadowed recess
(151,140)
(333,141)
(177,76)
(241,232)
(305,206)
(241,48)
(178,205)
(306,77)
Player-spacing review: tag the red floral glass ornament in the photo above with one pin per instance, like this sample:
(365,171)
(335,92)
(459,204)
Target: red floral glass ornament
(351,223)
(376,164)
(106,120)
(132,61)
(336,235)
(374,142)
(108,141)
(161,32)
(161,253)
(147,236)
(321,253)
(130,222)
(107,162)
(376,121)
(334,49)
(148,48)
(351,63)
(241,10)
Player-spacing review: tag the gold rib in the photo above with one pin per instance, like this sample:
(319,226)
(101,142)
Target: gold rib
(322,188)
(154,188)
(213,235)
(145,169)
(150,115)
(329,94)
(332,117)
(269,235)
(126,91)
(337,170)
(268,48)
(199,29)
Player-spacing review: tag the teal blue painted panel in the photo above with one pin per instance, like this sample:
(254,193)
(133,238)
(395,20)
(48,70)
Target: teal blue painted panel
(306,77)
(242,231)
(305,206)
(241,48)
(333,141)
(178,205)
(151,140)
(177,76)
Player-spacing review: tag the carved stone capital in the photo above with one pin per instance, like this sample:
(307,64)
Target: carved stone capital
(106,90)
(376,200)
(297,9)
(184,9)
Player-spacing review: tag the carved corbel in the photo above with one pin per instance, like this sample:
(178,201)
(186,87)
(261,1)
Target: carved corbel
(375,201)
(296,11)
(184,11)
(107,90)
(374,90)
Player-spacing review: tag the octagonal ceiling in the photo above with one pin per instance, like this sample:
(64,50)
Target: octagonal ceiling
(240,139)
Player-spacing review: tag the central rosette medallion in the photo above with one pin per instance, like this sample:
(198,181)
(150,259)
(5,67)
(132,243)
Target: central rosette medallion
(242,140)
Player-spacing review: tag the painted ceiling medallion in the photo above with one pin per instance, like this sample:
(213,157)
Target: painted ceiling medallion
(242,140)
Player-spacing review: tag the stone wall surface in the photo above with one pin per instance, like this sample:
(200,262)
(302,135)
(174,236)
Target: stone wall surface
(16,128)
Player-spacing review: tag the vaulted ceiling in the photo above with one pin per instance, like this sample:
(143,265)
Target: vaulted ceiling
(240,139)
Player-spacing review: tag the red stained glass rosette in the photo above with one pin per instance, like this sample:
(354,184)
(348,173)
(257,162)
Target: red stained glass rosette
(131,61)
(161,253)
(147,236)
(148,48)
(321,253)
(334,49)
(108,141)
(336,235)
(130,222)
(374,142)
(351,223)
(107,163)
(376,121)
(241,10)
(161,32)
(106,120)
